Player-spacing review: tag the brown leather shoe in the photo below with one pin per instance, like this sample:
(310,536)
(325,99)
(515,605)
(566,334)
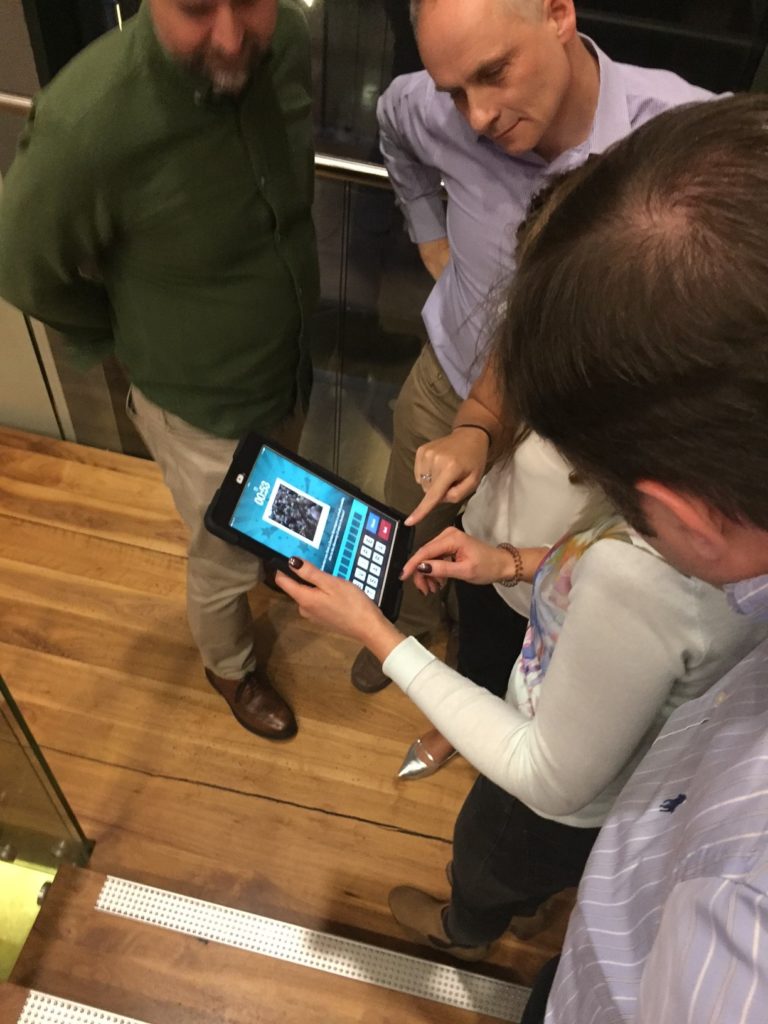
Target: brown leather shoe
(256,705)
(367,674)
(421,916)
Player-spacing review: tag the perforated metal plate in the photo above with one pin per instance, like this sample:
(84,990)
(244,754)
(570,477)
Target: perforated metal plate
(42,1009)
(317,950)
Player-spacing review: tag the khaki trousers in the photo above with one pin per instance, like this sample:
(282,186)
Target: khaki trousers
(219,575)
(424,411)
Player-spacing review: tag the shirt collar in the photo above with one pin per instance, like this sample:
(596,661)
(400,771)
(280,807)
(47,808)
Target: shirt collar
(612,121)
(749,597)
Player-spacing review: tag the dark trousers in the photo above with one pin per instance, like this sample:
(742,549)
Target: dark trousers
(491,635)
(507,860)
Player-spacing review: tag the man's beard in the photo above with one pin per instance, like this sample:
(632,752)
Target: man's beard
(228,80)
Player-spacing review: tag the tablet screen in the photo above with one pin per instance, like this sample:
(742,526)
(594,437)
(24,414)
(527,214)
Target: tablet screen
(295,512)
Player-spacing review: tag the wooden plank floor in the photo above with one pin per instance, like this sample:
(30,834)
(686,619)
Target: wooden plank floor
(12,999)
(94,646)
(95,958)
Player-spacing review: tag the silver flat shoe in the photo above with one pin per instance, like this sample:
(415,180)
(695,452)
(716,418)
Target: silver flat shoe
(419,763)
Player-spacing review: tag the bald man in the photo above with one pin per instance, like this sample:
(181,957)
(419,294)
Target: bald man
(511,95)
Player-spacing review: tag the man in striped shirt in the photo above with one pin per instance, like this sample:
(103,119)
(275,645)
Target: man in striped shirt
(638,329)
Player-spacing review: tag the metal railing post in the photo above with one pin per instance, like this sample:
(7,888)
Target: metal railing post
(11,103)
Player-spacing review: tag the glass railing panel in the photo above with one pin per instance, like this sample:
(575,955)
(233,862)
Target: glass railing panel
(36,822)
(38,831)
(352,50)
(320,439)
(368,330)
(357,49)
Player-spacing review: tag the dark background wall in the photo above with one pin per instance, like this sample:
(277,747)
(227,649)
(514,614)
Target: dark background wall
(17,72)
(359,45)
(60,28)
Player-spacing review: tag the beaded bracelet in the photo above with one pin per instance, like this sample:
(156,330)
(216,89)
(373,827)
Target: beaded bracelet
(477,426)
(512,581)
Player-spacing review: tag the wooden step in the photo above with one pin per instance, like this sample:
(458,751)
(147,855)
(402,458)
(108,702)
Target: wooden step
(43,1007)
(157,975)
(23,441)
(12,999)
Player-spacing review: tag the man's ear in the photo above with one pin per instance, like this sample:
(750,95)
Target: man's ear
(672,512)
(563,14)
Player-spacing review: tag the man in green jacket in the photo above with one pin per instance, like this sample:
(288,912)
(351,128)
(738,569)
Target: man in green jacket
(159,207)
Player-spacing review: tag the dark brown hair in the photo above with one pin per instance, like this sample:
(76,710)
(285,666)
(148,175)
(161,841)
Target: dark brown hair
(514,428)
(636,333)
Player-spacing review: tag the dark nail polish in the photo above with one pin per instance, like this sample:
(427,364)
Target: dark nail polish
(295,563)
(424,567)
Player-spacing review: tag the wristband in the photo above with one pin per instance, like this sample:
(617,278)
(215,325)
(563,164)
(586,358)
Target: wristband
(512,581)
(476,426)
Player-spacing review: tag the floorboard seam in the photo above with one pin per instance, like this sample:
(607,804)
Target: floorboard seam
(100,537)
(247,793)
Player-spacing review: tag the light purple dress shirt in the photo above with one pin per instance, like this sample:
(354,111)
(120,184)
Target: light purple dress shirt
(750,597)
(671,922)
(425,139)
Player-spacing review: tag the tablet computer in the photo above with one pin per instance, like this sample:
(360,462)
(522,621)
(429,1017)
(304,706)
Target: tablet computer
(276,504)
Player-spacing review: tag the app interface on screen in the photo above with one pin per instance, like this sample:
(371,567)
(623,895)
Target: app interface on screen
(294,512)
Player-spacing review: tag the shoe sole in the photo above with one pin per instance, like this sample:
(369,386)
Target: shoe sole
(371,689)
(275,737)
(454,951)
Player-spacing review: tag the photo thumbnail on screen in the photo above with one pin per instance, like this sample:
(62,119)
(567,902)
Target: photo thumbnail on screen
(297,513)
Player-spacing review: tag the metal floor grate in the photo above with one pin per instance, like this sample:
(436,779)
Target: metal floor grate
(294,944)
(42,1009)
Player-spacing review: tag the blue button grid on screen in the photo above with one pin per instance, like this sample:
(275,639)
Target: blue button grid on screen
(348,546)
(373,522)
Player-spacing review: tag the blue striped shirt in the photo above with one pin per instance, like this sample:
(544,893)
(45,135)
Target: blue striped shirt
(671,922)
